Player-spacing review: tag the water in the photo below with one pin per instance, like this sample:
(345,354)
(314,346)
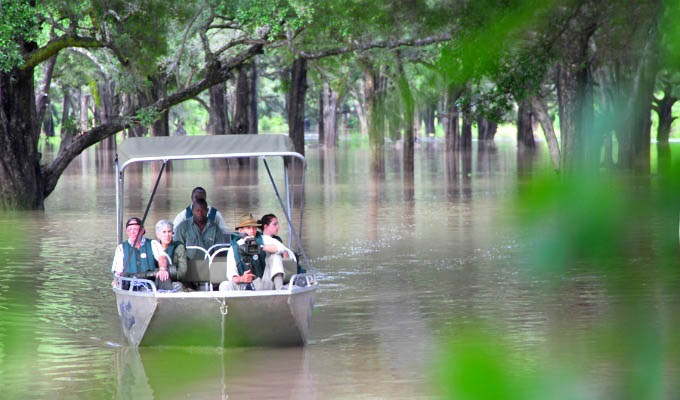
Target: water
(405,268)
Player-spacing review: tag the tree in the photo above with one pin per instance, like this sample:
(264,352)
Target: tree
(135,37)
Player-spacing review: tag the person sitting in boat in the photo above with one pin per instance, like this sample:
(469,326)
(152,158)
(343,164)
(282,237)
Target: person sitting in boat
(270,227)
(136,256)
(254,262)
(198,230)
(213,214)
(174,251)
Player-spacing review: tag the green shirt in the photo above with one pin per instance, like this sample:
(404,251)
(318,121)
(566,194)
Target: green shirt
(188,233)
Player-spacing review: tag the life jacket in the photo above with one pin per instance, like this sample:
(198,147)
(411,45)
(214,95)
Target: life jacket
(171,249)
(211,214)
(257,265)
(138,263)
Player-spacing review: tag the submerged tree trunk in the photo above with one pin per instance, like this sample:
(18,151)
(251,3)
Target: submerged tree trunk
(452,136)
(466,132)
(525,130)
(374,85)
(241,124)
(428,117)
(48,120)
(252,99)
(296,104)
(21,180)
(218,114)
(541,111)
(42,100)
(329,115)
(664,110)
(159,90)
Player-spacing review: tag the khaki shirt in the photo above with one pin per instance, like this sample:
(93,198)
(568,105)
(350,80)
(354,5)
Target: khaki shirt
(188,233)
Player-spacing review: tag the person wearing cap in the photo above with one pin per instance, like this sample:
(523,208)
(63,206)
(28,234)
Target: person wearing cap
(137,255)
(198,231)
(266,270)
(213,214)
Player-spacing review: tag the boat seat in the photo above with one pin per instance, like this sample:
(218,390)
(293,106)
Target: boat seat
(197,271)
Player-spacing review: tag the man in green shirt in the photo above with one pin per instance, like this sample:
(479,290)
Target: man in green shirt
(199,231)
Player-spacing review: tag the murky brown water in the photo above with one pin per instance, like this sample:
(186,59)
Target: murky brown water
(403,267)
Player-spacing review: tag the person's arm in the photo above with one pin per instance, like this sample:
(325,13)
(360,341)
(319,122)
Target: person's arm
(219,220)
(273,246)
(117,265)
(180,261)
(162,258)
(219,235)
(179,219)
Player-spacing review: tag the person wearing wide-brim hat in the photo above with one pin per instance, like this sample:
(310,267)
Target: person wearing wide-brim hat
(261,271)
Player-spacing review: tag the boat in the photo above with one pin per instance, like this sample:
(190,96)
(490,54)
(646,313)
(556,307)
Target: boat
(208,317)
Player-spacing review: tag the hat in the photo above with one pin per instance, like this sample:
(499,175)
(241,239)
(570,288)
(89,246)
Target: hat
(247,220)
(133,221)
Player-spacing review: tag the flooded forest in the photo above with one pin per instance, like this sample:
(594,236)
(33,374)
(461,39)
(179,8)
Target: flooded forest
(492,194)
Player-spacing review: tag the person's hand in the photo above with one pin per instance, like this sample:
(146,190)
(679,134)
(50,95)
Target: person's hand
(247,277)
(163,274)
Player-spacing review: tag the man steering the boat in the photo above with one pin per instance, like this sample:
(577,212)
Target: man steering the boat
(213,214)
(254,261)
(199,230)
(136,256)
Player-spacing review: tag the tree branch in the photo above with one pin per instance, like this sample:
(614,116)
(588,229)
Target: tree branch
(389,44)
(101,132)
(54,46)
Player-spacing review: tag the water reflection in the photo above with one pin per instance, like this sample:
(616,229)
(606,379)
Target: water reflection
(406,263)
(213,374)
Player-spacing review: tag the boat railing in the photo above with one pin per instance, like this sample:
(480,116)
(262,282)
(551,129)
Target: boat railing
(206,254)
(302,280)
(135,284)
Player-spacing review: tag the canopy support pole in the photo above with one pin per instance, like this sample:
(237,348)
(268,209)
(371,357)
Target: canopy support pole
(290,222)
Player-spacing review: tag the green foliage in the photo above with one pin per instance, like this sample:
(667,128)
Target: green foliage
(272,124)
(18,23)
(147,116)
(671,34)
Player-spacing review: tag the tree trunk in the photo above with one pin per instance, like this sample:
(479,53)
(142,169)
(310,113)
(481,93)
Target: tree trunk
(108,108)
(330,115)
(635,130)
(664,109)
(21,179)
(296,104)
(321,131)
(452,136)
(48,121)
(218,114)
(42,98)
(429,119)
(240,124)
(361,116)
(84,115)
(159,90)
(540,109)
(252,99)
(374,91)
(525,130)
(574,96)
(466,132)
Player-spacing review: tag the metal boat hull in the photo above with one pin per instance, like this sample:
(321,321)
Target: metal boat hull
(227,319)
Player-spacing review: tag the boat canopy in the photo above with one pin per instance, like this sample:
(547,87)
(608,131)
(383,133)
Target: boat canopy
(166,148)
